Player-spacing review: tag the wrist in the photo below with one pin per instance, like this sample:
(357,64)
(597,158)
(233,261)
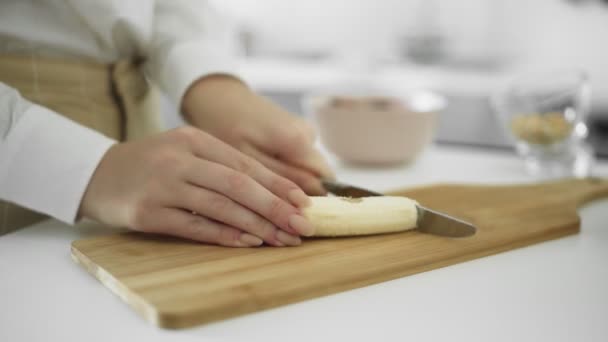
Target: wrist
(90,200)
(212,94)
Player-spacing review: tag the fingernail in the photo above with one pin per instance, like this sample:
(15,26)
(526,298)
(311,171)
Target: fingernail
(315,187)
(250,240)
(301,225)
(298,198)
(278,243)
(288,239)
(328,173)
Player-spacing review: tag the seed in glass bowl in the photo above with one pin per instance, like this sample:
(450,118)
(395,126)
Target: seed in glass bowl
(541,128)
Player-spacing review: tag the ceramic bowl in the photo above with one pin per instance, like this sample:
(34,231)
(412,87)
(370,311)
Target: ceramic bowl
(375,128)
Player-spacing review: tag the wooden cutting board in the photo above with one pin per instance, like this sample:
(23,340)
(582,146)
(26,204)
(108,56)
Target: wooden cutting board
(175,283)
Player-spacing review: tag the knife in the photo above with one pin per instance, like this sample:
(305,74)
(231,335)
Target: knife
(428,221)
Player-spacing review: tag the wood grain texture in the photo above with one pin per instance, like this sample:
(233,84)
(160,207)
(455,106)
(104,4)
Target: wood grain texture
(175,283)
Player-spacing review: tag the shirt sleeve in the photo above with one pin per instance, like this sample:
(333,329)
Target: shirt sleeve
(46,160)
(189,40)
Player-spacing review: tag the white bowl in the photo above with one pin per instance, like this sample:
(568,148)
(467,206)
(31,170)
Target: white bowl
(378,129)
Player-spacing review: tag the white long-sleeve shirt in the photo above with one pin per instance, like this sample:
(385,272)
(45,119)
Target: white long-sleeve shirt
(46,161)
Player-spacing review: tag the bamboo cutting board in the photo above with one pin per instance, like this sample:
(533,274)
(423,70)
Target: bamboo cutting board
(175,283)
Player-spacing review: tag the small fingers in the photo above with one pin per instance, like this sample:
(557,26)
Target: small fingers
(244,190)
(293,143)
(316,163)
(222,209)
(210,148)
(310,183)
(182,224)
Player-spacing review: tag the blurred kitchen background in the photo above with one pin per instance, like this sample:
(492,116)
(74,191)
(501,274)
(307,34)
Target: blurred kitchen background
(462,49)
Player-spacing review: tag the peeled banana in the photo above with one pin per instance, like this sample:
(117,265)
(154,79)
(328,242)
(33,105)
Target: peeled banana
(344,216)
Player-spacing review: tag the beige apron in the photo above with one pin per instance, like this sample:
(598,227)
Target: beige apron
(114,99)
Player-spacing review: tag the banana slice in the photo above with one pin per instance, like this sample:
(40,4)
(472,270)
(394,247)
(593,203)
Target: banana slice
(344,216)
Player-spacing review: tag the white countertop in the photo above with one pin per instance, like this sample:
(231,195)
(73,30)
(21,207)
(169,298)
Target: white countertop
(553,291)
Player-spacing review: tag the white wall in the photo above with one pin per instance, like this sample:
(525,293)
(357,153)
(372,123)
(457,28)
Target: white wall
(362,24)
(533,33)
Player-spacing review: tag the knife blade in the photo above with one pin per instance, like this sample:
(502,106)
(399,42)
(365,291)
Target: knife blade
(428,221)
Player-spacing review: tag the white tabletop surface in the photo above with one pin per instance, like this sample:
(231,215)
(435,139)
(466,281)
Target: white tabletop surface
(552,291)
